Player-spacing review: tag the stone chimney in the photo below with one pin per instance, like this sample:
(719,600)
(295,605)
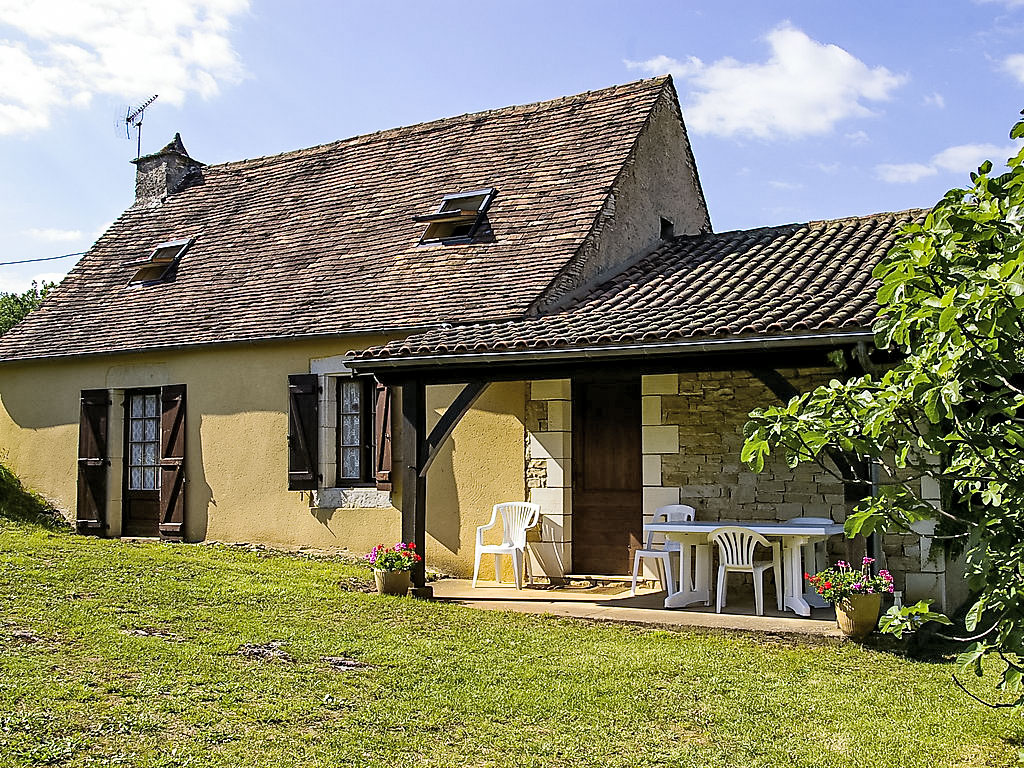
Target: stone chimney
(165,172)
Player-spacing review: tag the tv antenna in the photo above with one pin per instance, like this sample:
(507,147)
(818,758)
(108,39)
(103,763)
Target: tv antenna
(133,119)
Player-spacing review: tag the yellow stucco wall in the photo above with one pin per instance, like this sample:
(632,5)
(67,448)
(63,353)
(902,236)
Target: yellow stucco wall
(236,460)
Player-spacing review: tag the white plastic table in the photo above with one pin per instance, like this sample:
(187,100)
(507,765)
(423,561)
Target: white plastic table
(695,558)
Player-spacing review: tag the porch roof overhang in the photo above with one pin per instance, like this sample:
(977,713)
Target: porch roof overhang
(560,362)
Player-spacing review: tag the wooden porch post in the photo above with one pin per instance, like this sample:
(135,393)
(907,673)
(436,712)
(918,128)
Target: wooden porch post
(414,484)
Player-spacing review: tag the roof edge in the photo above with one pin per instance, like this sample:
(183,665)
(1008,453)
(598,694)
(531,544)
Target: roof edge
(223,343)
(612,351)
(428,125)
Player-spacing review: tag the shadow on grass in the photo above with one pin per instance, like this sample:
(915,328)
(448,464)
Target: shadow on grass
(19,504)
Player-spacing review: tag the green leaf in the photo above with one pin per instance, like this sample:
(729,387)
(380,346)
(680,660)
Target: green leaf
(974,615)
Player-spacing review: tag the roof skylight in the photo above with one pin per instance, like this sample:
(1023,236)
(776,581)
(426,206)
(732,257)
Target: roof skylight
(458,218)
(156,267)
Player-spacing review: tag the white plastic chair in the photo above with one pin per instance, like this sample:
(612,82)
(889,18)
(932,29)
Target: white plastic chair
(736,547)
(517,517)
(662,551)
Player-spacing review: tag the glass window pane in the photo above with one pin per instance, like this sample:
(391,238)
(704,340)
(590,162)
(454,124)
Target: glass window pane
(149,454)
(135,454)
(350,430)
(136,405)
(350,462)
(149,479)
(350,392)
(136,479)
(151,405)
(136,430)
(151,429)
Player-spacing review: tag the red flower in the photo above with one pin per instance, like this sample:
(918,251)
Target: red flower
(807,576)
(828,585)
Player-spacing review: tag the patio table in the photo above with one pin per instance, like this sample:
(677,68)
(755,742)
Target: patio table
(695,556)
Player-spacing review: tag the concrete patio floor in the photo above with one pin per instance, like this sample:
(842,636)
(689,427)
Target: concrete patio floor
(614,603)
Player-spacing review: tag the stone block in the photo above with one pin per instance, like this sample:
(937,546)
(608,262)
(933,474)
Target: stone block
(655,497)
(559,415)
(551,389)
(664,439)
(652,470)
(549,558)
(552,527)
(660,384)
(550,445)
(708,491)
(651,409)
(559,473)
(552,501)
(922,586)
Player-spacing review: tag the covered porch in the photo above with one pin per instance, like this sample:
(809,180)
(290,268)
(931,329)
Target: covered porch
(638,387)
(608,441)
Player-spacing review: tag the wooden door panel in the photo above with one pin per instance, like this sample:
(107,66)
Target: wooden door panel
(607,493)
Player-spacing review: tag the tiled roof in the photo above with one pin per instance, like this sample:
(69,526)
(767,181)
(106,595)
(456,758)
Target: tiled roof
(775,281)
(321,241)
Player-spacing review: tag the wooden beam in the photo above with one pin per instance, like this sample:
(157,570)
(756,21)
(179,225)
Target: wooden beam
(447,423)
(453,372)
(414,484)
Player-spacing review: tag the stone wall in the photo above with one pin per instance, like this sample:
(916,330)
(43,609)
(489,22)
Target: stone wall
(548,476)
(692,437)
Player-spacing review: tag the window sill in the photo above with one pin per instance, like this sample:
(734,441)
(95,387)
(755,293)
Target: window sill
(367,497)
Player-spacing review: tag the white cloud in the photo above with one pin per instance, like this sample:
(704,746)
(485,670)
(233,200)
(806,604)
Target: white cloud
(829,168)
(962,158)
(53,235)
(904,173)
(789,185)
(857,137)
(1014,65)
(804,88)
(21,283)
(64,52)
(936,100)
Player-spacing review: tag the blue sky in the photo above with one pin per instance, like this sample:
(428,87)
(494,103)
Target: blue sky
(796,110)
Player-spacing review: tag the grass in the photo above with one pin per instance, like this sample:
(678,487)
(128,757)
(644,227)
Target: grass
(81,686)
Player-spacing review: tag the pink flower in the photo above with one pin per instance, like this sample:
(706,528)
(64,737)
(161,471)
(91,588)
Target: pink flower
(868,560)
(841,564)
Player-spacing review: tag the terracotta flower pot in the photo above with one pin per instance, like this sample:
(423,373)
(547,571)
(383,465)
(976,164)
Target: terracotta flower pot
(857,615)
(392,582)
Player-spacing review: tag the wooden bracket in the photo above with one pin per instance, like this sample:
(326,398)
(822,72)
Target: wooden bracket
(447,423)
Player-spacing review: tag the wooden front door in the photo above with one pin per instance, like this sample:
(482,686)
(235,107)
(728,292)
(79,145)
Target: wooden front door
(607,481)
(141,506)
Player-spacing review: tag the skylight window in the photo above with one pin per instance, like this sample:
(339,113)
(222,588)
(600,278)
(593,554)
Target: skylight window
(157,266)
(459,218)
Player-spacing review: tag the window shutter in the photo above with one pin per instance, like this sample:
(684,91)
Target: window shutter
(382,435)
(303,442)
(172,461)
(91,512)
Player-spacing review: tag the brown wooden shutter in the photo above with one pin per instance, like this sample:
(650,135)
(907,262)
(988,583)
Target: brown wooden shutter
(172,461)
(303,437)
(382,436)
(91,512)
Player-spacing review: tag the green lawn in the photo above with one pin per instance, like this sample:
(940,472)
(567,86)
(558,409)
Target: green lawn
(445,685)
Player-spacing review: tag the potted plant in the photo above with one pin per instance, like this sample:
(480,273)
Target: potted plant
(391,566)
(856,595)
